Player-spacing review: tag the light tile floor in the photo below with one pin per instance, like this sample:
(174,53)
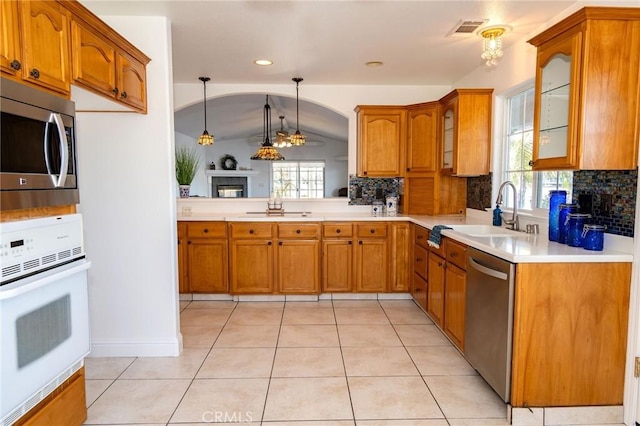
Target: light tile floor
(341,362)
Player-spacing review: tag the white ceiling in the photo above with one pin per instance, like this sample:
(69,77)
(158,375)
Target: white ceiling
(325,42)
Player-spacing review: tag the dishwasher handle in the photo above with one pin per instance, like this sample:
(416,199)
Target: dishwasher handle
(488,271)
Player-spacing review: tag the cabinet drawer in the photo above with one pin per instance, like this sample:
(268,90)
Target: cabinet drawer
(207,229)
(251,230)
(456,253)
(421,237)
(299,230)
(373,230)
(440,251)
(337,230)
(421,261)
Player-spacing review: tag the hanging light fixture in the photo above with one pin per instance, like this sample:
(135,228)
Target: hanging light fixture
(205,138)
(282,136)
(267,151)
(297,139)
(492,44)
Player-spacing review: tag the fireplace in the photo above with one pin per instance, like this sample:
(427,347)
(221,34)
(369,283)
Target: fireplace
(230,183)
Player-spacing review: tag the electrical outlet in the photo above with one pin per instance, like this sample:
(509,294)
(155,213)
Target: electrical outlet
(186,209)
(606,202)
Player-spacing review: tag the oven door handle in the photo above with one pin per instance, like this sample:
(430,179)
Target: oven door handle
(58,180)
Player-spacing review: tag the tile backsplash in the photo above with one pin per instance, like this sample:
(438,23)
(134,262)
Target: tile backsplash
(613,197)
(479,192)
(364,191)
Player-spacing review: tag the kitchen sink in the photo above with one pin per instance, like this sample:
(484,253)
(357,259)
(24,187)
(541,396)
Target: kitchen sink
(487,231)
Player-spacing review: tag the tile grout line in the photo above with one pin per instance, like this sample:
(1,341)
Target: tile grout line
(344,365)
(203,360)
(273,363)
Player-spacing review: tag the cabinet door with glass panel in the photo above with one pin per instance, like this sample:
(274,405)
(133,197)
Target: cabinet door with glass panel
(555,144)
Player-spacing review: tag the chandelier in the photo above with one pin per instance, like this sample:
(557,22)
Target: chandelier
(297,139)
(205,138)
(267,151)
(492,45)
(282,136)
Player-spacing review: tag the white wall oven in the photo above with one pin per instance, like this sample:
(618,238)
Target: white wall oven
(37,148)
(44,313)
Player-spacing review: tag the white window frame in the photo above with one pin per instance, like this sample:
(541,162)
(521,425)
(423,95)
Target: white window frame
(298,164)
(500,172)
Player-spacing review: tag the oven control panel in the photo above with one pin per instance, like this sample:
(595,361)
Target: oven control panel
(33,245)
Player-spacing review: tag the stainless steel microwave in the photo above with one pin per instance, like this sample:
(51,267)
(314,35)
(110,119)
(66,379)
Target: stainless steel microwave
(37,148)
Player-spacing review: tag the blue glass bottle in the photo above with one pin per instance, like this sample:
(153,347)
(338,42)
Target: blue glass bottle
(555,199)
(497,219)
(565,209)
(577,221)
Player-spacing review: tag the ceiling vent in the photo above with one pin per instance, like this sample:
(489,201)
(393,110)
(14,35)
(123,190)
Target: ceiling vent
(467,27)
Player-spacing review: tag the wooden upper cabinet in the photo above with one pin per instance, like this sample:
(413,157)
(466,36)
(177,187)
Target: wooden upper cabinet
(465,148)
(94,60)
(10,56)
(422,138)
(132,83)
(586,101)
(45,44)
(381,141)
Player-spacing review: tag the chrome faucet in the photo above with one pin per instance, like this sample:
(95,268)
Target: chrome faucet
(512,223)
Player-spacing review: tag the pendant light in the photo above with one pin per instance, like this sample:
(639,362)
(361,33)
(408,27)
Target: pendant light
(297,139)
(205,138)
(267,151)
(282,136)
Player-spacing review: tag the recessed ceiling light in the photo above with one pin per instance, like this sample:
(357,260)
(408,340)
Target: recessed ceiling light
(374,63)
(263,62)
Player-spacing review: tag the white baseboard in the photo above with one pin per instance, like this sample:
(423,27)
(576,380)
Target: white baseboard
(138,348)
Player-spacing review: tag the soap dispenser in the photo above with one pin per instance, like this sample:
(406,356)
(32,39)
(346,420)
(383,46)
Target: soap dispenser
(497,218)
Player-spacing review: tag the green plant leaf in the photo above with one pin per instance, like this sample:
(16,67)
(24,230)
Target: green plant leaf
(187,163)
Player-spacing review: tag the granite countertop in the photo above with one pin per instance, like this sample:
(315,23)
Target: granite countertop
(520,248)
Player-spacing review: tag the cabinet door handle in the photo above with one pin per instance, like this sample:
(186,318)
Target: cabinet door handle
(115,91)
(364,173)
(251,231)
(298,231)
(189,242)
(418,259)
(269,243)
(124,95)
(440,263)
(16,65)
(350,242)
(360,242)
(206,231)
(531,163)
(373,231)
(279,243)
(35,73)
(453,255)
(420,236)
(338,231)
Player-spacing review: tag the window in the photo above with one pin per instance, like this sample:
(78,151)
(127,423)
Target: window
(298,179)
(533,187)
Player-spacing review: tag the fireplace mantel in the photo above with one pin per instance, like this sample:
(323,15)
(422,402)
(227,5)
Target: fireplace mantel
(228,173)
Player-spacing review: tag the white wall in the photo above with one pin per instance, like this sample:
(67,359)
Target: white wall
(127,196)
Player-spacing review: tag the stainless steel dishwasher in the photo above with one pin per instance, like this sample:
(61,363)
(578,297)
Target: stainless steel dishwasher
(489,318)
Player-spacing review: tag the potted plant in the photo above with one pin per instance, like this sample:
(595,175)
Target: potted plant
(187,163)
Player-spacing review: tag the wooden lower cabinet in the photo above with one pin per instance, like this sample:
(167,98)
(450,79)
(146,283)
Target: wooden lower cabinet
(203,257)
(66,405)
(371,257)
(400,262)
(251,266)
(208,266)
(337,265)
(298,258)
(455,285)
(570,334)
(435,289)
